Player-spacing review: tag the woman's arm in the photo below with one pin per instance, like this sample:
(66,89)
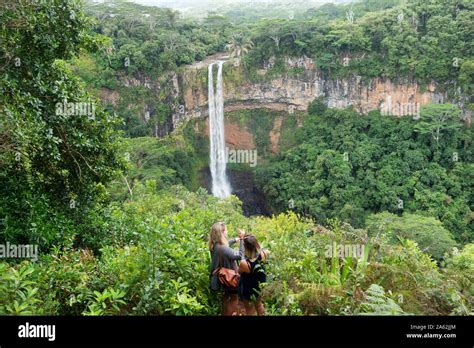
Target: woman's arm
(264,254)
(233,241)
(232,254)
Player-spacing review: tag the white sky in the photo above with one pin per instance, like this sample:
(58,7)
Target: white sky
(193,3)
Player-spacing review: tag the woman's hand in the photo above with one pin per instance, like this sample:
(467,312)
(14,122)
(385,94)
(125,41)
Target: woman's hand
(241,233)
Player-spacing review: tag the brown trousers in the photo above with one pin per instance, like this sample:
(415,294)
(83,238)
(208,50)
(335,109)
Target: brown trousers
(231,305)
(254,307)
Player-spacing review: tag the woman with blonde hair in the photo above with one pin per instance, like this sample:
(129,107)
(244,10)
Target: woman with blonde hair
(223,256)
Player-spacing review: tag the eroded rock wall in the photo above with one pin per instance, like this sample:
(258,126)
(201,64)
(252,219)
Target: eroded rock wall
(295,93)
(186,92)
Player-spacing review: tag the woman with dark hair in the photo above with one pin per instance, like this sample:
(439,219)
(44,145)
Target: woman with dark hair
(223,256)
(252,276)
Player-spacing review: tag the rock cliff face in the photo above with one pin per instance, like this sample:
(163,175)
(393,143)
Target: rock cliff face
(238,136)
(149,93)
(295,93)
(186,92)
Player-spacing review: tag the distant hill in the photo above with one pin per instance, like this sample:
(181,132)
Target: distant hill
(235,8)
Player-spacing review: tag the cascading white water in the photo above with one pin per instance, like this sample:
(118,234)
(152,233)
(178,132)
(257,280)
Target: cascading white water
(220,183)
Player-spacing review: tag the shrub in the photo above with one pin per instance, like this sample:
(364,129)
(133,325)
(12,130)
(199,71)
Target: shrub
(18,294)
(427,231)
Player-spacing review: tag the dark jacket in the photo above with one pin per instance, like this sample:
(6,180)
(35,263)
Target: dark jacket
(250,283)
(229,259)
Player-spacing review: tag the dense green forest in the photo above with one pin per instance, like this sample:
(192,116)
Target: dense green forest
(113,199)
(346,166)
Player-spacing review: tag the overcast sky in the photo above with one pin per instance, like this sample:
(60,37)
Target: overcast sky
(181,3)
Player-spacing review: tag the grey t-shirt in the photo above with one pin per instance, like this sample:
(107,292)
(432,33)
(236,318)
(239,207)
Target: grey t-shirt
(229,259)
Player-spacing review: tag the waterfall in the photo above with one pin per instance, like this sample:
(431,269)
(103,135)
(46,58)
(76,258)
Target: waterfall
(220,183)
